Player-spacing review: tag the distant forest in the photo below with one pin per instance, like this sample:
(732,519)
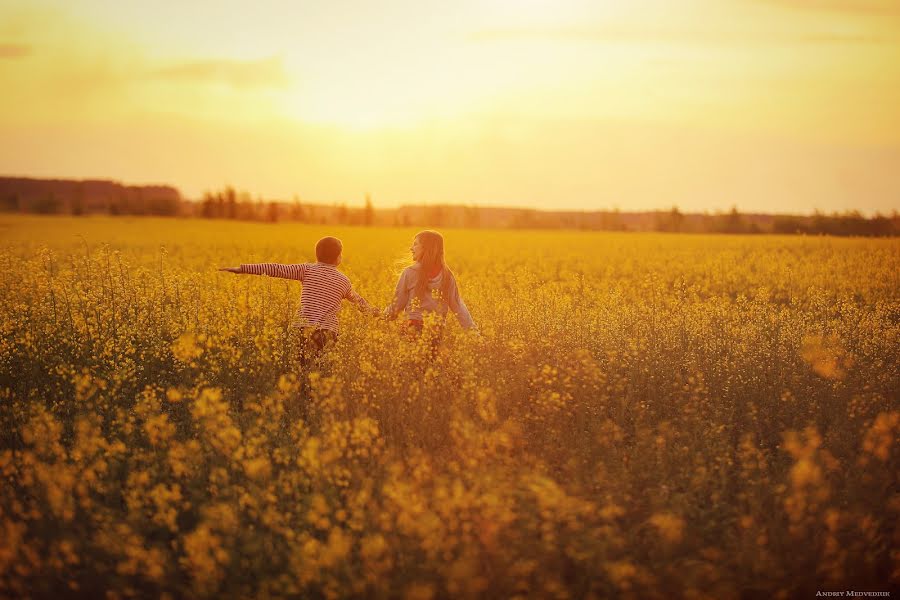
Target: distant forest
(88,197)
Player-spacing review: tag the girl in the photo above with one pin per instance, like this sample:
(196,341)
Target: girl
(428,286)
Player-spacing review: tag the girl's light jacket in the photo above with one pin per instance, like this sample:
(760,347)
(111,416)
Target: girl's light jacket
(405,293)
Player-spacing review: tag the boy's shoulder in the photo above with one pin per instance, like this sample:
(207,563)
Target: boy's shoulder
(330,271)
(342,276)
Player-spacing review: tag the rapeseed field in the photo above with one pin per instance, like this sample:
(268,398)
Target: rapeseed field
(638,416)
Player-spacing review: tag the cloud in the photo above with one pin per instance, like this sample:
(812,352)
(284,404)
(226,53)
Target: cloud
(268,72)
(884,8)
(14,50)
(687,35)
(829,38)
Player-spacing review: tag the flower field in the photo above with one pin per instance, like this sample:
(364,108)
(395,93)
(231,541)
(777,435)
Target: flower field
(640,415)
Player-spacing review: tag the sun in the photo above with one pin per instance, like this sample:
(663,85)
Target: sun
(536,14)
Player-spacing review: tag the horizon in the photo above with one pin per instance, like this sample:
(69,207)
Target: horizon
(359,204)
(769,106)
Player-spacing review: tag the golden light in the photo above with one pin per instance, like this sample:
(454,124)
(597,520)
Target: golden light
(427,102)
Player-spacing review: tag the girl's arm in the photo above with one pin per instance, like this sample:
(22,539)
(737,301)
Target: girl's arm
(456,304)
(401,296)
(271,269)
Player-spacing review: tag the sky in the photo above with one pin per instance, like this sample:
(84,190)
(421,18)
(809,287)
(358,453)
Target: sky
(763,105)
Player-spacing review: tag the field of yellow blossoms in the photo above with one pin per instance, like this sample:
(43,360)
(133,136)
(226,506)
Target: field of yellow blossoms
(641,415)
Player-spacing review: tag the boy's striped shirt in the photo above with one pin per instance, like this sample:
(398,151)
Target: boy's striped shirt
(324,287)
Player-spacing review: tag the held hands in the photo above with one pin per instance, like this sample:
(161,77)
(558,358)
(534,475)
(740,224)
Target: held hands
(231,269)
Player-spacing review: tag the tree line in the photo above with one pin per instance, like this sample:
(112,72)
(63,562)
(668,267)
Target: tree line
(231,204)
(35,196)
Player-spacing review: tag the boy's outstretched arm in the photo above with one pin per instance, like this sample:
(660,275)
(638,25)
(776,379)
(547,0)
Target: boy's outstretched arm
(271,269)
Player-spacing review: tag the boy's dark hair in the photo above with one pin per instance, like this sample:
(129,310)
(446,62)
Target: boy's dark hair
(328,249)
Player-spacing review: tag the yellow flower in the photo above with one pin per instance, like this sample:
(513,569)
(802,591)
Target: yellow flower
(805,473)
(419,591)
(880,436)
(257,468)
(337,549)
(622,573)
(826,356)
(158,429)
(486,405)
(204,557)
(670,526)
(373,546)
(185,348)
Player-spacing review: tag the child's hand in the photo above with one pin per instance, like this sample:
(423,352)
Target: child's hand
(231,269)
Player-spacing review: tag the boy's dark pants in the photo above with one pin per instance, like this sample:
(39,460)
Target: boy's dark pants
(307,346)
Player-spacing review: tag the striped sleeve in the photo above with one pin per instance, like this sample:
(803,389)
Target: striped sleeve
(358,300)
(296,271)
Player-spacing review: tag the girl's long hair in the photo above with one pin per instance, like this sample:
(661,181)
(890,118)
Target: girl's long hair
(432,263)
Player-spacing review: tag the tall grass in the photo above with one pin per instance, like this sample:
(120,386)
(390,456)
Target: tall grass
(641,416)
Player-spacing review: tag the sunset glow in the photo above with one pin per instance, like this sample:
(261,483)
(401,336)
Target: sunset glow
(768,105)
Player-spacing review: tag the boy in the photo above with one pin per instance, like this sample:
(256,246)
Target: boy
(324,287)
